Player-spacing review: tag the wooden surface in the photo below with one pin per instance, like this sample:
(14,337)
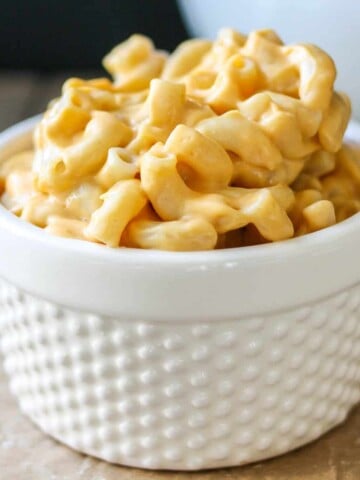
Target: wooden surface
(27,454)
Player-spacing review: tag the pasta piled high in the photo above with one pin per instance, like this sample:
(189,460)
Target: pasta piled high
(226,143)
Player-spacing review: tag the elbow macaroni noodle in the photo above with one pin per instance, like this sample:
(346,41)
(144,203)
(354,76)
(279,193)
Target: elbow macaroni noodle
(219,144)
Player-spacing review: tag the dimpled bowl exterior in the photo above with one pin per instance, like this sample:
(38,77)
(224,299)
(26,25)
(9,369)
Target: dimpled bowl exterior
(183,396)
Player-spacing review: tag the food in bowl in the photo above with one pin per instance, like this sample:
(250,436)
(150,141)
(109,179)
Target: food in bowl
(191,360)
(219,144)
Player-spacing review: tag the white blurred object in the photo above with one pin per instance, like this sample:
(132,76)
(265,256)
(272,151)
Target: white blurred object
(333,25)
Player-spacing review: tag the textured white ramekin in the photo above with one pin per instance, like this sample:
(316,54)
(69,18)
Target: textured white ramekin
(180,360)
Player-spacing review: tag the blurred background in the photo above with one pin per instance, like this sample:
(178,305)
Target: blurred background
(42,42)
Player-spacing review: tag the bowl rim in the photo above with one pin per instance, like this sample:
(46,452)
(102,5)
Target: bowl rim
(248,253)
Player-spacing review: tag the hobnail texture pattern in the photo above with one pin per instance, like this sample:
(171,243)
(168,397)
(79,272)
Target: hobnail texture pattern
(183,396)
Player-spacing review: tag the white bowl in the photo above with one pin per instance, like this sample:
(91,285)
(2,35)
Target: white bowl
(180,360)
(332,24)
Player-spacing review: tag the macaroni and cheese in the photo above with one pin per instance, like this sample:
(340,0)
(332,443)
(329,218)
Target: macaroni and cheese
(227,143)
